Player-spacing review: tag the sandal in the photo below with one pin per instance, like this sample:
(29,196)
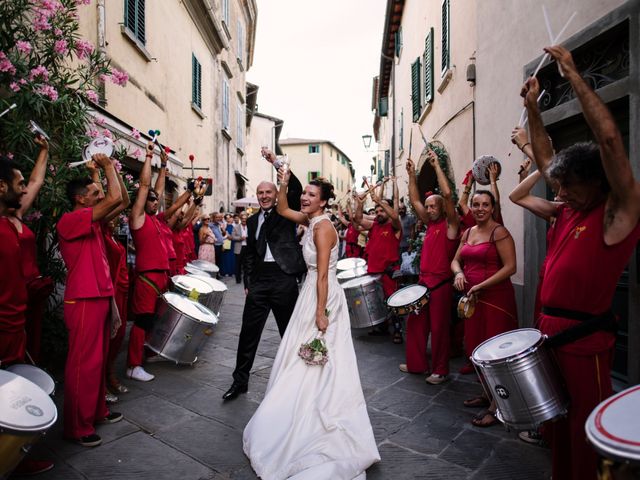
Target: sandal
(476,402)
(480,420)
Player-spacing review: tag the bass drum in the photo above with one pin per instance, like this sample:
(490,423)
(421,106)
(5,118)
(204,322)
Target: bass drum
(181,329)
(365,300)
(35,375)
(218,291)
(26,413)
(208,268)
(192,287)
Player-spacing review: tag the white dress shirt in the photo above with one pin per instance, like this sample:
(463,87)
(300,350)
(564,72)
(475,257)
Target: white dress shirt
(267,256)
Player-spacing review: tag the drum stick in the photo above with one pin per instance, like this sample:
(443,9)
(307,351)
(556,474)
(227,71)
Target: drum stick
(191,159)
(547,23)
(410,140)
(11,107)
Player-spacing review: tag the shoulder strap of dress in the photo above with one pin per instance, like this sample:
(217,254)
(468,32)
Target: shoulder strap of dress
(492,238)
(465,235)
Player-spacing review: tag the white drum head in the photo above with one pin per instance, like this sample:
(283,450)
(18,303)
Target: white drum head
(507,344)
(216,285)
(24,406)
(35,375)
(406,296)
(353,273)
(614,426)
(204,265)
(189,282)
(360,281)
(480,168)
(190,308)
(99,144)
(350,263)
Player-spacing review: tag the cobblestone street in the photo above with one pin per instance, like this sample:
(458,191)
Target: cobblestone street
(178,427)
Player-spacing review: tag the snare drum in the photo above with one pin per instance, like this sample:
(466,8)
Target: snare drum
(26,413)
(208,268)
(35,375)
(192,287)
(408,299)
(218,291)
(345,275)
(518,371)
(351,263)
(613,428)
(182,328)
(365,300)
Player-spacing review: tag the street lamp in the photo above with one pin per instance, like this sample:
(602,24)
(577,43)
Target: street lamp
(366,140)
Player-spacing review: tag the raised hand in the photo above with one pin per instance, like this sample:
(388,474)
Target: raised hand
(494,172)
(410,166)
(101,160)
(40,140)
(564,59)
(519,137)
(432,158)
(268,155)
(530,92)
(150,147)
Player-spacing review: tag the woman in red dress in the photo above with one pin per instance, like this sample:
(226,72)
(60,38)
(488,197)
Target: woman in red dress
(483,265)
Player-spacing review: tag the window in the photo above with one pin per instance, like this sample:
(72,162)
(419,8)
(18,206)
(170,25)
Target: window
(314,148)
(225,11)
(398,41)
(134,18)
(312,176)
(240,129)
(428,67)
(383,106)
(416,99)
(225,104)
(446,37)
(240,52)
(196,82)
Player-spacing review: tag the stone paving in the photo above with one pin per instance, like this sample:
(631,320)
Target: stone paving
(178,427)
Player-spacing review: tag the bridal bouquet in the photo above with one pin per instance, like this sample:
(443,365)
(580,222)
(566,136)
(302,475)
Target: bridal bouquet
(315,351)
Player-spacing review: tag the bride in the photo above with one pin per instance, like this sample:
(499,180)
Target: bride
(313,422)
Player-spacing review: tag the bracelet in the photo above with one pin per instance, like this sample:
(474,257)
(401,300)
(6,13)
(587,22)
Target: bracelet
(458,273)
(467,191)
(149,155)
(524,145)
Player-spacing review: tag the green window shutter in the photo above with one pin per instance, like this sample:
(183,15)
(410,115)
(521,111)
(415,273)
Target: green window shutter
(428,67)
(134,18)
(383,106)
(196,82)
(446,36)
(415,89)
(397,41)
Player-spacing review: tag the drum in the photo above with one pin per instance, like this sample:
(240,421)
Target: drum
(345,275)
(466,306)
(192,287)
(365,300)
(99,144)
(351,263)
(408,299)
(182,328)
(518,371)
(35,375)
(219,289)
(613,428)
(200,266)
(480,168)
(26,413)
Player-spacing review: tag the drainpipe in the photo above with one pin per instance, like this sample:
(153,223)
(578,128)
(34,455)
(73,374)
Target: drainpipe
(393,115)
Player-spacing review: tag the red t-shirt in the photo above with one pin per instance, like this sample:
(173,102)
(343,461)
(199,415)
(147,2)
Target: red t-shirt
(382,247)
(189,240)
(13,288)
(84,254)
(28,249)
(151,249)
(117,258)
(178,245)
(437,253)
(167,236)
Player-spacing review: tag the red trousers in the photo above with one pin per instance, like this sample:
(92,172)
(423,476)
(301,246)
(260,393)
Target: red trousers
(84,385)
(434,318)
(495,313)
(389,285)
(144,302)
(12,347)
(115,343)
(588,381)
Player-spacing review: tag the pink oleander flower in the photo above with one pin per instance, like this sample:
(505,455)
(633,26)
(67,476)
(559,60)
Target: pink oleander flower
(24,46)
(93,133)
(6,65)
(136,154)
(99,121)
(119,77)
(52,168)
(107,133)
(83,2)
(35,215)
(41,22)
(128,177)
(39,71)
(57,32)
(135,134)
(22,81)
(9,155)
(92,95)
(14,87)
(136,185)
(84,49)
(103,77)
(61,47)
(117,165)
(48,91)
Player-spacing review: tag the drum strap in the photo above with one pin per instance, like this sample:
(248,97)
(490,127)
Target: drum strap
(150,282)
(589,324)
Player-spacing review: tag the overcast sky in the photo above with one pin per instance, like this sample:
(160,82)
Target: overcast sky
(314,62)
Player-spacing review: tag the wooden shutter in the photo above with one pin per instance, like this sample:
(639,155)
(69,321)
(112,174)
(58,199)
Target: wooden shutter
(446,36)
(383,106)
(134,18)
(196,82)
(416,103)
(428,68)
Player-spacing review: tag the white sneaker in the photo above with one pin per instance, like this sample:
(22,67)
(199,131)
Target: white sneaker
(140,374)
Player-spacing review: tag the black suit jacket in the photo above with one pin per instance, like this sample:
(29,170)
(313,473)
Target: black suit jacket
(280,235)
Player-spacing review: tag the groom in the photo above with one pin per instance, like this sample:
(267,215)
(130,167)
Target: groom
(273,260)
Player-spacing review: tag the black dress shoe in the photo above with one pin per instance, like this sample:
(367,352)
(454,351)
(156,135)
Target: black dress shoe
(235,390)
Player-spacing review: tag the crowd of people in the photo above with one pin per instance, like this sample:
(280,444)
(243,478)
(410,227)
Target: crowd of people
(452,249)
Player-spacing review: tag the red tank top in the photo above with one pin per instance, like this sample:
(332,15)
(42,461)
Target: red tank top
(382,248)
(151,249)
(437,253)
(28,250)
(13,288)
(167,235)
(117,258)
(480,261)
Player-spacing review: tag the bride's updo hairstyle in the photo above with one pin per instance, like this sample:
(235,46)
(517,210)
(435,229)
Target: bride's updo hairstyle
(326,189)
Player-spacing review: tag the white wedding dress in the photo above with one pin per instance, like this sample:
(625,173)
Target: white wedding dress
(313,422)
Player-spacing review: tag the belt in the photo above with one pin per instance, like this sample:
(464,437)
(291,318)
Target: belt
(589,324)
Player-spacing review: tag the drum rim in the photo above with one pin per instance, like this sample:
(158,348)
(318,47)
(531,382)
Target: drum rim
(210,281)
(413,302)
(20,429)
(351,270)
(173,282)
(203,261)
(372,279)
(359,262)
(510,357)
(198,305)
(51,383)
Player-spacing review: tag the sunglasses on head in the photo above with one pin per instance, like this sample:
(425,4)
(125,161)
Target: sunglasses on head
(152,199)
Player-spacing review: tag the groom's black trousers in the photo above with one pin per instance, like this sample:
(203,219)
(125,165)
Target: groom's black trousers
(272,290)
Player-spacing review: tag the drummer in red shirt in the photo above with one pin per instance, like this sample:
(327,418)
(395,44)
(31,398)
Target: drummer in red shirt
(438,249)
(87,301)
(383,247)
(596,231)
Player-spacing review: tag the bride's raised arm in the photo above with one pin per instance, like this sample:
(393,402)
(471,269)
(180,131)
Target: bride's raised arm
(283,204)
(324,237)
